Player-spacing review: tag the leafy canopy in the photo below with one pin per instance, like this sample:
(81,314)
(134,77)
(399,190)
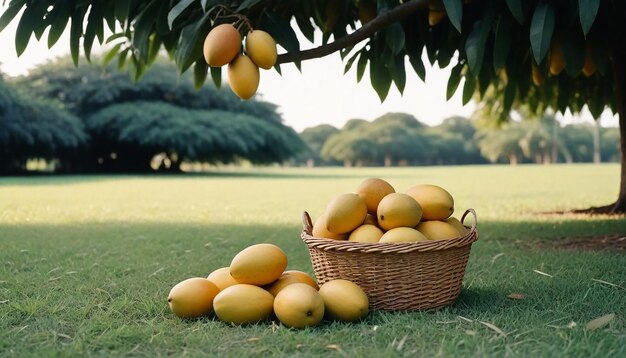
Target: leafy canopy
(490,43)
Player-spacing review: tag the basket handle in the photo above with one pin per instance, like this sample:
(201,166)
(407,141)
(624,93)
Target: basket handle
(474,222)
(307,224)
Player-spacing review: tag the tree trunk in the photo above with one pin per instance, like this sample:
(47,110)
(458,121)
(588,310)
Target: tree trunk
(619,71)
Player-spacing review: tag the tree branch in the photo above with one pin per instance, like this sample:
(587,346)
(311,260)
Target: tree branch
(357,36)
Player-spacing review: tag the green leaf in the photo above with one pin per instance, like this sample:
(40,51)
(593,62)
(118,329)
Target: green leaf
(398,73)
(216,76)
(122,9)
(281,30)
(418,66)
(247,4)
(144,24)
(115,37)
(94,26)
(121,59)
(58,19)
(454,8)
(509,97)
(307,29)
(380,78)
(190,43)
(573,48)
(453,81)
(587,10)
(394,37)
(111,54)
(515,6)
(350,62)
(541,29)
(200,71)
(11,11)
(475,46)
(468,88)
(177,10)
(28,22)
(76,30)
(502,43)
(360,66)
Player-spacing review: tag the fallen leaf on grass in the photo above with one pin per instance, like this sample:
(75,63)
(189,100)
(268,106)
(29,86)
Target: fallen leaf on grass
(516,296)
(571,325)
(253,339)
(469,332)
(600,321)
(5,301)
(494,328)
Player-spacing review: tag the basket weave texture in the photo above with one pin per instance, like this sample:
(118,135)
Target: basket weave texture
(395,276)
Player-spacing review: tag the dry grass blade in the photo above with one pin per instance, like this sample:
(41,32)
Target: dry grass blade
(608,283)
(465,319)
(4,301)
(401,343)
(542,273)
(600,322)
(494,328)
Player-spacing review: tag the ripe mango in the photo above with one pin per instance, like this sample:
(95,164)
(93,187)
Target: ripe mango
(287,279)
(366,233)
(221,45)
(435,17)
(298,306)
(261,48)
(258,264)
(458,225)
(397,209)
(192,297)
(345,213)
(243,304)
(589,68)
(557,62)
(372,191)
(436,202)
(320,230)
(243,77)
(403,234)
(222,278)
(438,230)
(344,300)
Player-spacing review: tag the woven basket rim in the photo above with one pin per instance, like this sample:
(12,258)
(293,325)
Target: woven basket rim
(404,247)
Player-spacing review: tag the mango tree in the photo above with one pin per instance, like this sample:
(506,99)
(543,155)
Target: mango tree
(560,54)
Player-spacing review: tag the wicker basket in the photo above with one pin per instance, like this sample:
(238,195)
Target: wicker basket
(395,276)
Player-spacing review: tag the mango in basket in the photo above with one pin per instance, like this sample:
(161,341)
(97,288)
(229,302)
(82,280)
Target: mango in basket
(345,213)
(366,233)
(372,191)
(320,230)
(438,230)
(436,202)
(403,234)
(397,209)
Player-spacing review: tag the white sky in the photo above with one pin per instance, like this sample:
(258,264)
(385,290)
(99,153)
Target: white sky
(320,94)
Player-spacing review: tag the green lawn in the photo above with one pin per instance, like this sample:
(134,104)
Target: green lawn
(86,263)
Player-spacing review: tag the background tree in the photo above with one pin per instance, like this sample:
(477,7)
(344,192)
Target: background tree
(34,128)
(508,45)
(130,123)
(314,138)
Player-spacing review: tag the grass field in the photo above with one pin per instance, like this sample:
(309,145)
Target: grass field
(86,264)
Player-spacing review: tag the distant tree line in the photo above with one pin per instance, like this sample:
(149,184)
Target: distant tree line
(398,139)
(94,118)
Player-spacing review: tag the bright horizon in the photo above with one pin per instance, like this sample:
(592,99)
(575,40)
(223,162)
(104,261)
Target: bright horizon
(321,94)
